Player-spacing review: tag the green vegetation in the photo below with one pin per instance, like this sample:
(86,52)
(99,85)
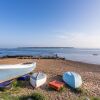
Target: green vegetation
(62,89)
(14,88)
(9,93)
(34,96)
(5,88)
(81,91)
(6,96)
(14,85)
(90,98)
(95,98)
(51,89)
(18,83)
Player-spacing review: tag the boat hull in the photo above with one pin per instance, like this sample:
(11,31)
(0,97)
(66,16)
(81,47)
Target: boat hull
(73,79)
(10,73)
(37,81)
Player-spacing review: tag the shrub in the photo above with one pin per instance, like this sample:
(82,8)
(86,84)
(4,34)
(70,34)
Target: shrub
(18,83)
(62,89)
(34,96)
(95,98)
(6,96)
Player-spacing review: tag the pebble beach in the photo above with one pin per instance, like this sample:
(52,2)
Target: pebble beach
(54,68)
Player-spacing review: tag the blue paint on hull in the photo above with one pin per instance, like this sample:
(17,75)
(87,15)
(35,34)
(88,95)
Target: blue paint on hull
(72,79)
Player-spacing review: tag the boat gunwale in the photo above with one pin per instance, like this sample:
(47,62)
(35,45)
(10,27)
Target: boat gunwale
(14,66)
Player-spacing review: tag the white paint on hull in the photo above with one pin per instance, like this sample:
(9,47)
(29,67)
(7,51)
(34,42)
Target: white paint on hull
(8,72)
(38,79)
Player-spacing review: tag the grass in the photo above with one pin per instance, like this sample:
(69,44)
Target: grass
(16,84)
(80,91)
(90,98)
(5,88)
(7,96)
(14,89)
(51,89)
(34,96)
(62,89)
(95,98)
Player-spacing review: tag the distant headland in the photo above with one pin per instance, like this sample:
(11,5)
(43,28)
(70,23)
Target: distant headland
(46,47)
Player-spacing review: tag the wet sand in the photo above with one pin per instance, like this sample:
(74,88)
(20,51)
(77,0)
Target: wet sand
(54,68)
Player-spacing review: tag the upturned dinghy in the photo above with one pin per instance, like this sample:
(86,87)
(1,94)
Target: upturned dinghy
(73,79)
(9,72)
(38,79)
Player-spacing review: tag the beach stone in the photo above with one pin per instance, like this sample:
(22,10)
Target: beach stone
(54,68)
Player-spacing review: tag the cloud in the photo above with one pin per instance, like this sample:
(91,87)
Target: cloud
(85,40)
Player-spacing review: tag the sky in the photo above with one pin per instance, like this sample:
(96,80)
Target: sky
(50,23)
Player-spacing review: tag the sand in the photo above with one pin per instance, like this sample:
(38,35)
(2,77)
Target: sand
(54,69)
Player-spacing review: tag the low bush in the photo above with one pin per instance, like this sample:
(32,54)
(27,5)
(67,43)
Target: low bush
(62,89)
(95,98)
(18,83)
(34,96)
(6,96)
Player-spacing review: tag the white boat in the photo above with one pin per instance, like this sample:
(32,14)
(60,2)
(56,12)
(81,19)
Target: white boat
(38,79)
(73,79)
(9,72)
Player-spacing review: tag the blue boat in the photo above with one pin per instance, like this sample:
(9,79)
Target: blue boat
(4,84)
(24,77)
(72,79)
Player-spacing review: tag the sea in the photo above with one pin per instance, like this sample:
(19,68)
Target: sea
(91,56)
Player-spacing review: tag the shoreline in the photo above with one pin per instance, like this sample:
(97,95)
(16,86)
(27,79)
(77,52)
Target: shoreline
(33,57)
(54,68)
(91,67)
(45,57)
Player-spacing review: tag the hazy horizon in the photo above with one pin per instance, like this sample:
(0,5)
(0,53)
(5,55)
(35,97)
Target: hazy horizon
(54,23)
(47,47)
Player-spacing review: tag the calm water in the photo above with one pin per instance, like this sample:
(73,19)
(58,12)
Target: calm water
(75,54)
